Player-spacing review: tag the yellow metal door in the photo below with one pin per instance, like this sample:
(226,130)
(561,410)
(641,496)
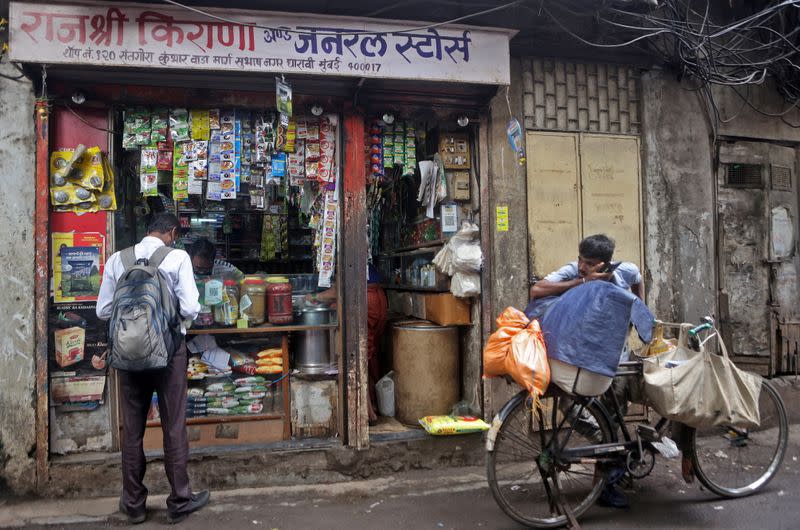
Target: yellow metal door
(610,192)
(554,221)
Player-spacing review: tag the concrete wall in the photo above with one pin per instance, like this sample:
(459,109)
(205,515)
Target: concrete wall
(678,193)
(506,186)
(17,373)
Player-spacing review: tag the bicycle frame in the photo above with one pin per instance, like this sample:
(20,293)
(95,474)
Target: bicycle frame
(611,451)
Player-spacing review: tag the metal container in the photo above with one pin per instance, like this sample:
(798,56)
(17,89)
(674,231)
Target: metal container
(425,358)
(312,355)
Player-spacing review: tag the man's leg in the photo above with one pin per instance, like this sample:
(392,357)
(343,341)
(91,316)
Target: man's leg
(135,398)
(171,385)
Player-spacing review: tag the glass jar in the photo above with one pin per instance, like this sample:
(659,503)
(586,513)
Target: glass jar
(255,289)
(279,300)
(205,317)
(227,312)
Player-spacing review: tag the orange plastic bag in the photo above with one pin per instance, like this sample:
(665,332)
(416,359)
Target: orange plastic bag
(518,350)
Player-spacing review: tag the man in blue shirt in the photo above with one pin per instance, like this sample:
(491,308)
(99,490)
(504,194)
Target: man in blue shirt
(594,256)
(594,264)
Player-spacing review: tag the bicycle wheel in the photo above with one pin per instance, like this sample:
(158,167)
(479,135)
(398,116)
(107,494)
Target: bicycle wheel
(734,462)
(515,466)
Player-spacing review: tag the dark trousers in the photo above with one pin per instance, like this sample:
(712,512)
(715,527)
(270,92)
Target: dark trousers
(170,384)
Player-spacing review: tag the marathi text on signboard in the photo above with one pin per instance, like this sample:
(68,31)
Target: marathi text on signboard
(167,37)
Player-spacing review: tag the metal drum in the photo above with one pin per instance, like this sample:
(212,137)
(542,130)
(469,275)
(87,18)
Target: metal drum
(425,361)
(312,353)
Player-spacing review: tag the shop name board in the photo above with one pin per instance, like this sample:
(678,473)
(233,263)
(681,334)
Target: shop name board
(149,36)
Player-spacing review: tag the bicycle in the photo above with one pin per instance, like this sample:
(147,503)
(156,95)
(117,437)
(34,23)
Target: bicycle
(547,465)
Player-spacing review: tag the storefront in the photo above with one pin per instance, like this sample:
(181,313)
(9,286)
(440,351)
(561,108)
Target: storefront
(297,149)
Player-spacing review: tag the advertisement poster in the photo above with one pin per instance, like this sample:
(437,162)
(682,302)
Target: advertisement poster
(77,353)
(78,259)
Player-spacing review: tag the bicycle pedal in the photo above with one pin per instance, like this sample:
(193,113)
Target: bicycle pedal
(647,433)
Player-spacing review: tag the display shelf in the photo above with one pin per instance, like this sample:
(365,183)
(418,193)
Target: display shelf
(205,420)
(415,288)
(422,248)
(257,330)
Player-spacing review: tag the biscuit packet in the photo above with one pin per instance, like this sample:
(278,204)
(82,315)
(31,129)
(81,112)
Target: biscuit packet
(107,197)
(90,172)
(70,194)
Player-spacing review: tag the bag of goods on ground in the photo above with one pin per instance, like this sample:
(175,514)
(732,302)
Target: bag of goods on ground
(446,425)
(517,349)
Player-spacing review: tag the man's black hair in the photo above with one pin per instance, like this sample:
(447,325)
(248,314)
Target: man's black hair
(162,223)
(598,246)
(203,248)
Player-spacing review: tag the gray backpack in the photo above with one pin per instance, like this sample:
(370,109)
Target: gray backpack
(144,329)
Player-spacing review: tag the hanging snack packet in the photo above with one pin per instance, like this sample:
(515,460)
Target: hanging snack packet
(180,171)
(302,128)
(136,128)
(291,136)
(283,97)
(89,172)
(327,143)
(387,153)
(399,157)
(279,166)
(164,162)
(200,124)
(107,197)
(213,119)
(159,125)
(70,194)
(179,125)
(410,160)
(295,164)
(148,172)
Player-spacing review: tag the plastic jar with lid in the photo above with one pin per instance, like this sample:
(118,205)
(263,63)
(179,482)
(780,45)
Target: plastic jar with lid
(205,317)
(279,300)
(255,288)
(227,312)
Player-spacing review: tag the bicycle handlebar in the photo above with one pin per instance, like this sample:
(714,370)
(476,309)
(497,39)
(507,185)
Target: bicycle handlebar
(698,329)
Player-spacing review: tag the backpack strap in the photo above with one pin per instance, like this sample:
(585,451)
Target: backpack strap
(128,258)
(158,256)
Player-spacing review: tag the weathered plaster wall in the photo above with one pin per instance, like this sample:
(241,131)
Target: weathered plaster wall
(17,374)
(678,194)
(506,186)
(745,122)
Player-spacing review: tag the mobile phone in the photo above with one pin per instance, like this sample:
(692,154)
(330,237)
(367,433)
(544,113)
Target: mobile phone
(611,267)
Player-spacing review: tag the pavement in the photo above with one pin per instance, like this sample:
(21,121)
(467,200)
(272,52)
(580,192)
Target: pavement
(454,498)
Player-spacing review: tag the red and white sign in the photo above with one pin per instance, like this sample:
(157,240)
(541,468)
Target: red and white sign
(157,36)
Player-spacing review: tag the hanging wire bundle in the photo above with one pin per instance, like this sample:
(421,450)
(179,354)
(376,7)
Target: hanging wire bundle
(733,43)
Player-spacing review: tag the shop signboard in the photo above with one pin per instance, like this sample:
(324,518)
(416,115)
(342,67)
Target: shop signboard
(169,37)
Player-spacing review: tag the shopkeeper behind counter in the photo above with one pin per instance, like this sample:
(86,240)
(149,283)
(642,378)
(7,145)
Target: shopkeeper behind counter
(377,312)
(204,262)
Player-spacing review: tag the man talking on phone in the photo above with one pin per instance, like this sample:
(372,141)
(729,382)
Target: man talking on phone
(594,264)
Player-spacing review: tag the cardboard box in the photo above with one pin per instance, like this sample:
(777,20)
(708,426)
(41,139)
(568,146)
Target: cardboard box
(447,310)
(69,345)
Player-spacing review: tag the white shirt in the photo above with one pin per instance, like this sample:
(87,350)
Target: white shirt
(177,267)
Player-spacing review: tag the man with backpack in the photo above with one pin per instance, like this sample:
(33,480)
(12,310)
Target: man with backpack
(146,293)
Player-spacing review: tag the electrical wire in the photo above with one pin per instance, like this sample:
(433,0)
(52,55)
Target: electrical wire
(742,50)
(86,122)
(346,32)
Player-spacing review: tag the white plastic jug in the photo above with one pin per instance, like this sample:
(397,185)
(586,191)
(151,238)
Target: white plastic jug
(385,390)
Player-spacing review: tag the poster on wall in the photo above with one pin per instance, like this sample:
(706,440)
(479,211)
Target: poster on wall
(78,260)
(78,341)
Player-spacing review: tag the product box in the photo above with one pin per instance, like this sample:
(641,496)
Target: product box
(69,345)
(447,310)
(443,309)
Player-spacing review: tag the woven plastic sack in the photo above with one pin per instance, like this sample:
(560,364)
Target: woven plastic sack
(444,425)
(517,349)
(701,389)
